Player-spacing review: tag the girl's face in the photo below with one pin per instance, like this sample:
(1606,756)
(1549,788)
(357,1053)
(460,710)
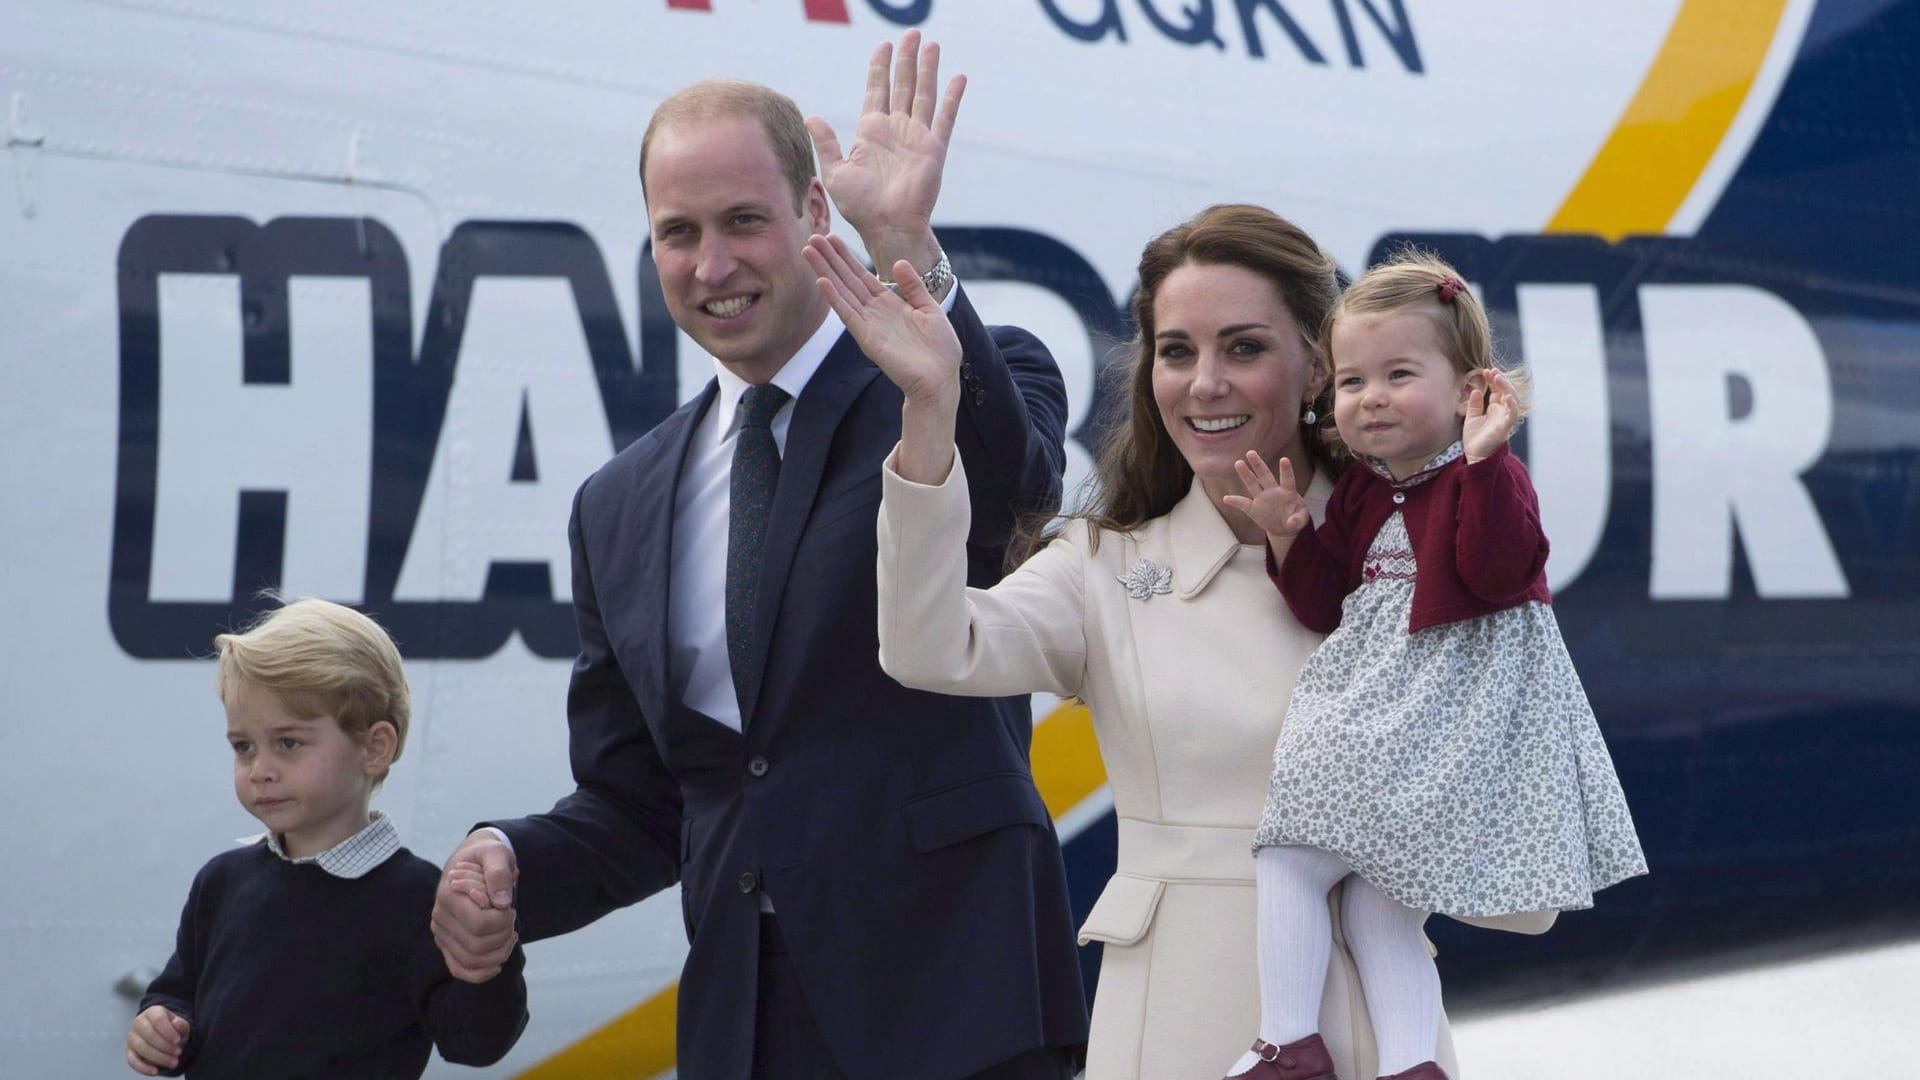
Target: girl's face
(1396,396)
(1231,372)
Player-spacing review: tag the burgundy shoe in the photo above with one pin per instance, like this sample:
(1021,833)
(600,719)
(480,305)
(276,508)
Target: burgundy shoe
(1306,1059)
(1426,1070)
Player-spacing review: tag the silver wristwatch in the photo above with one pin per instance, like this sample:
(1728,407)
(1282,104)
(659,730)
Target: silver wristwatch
(934,279)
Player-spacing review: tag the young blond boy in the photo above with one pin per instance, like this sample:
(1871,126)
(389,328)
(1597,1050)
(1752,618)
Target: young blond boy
(308,952)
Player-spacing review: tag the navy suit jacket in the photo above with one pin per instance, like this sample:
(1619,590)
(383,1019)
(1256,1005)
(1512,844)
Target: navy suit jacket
(916,872)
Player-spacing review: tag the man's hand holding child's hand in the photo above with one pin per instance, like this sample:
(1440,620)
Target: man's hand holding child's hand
(474,921)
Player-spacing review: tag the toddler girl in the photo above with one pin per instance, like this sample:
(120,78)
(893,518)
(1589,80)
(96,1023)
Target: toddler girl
(1438,747)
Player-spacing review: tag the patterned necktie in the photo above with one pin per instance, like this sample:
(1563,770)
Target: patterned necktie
(756,469)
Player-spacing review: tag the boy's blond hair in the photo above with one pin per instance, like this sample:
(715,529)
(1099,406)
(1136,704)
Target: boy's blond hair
(321,658)
(1411,280)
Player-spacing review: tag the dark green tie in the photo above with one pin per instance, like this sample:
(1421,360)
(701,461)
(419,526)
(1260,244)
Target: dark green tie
(756,470)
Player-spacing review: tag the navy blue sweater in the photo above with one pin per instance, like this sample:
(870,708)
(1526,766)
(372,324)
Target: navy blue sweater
(284,970)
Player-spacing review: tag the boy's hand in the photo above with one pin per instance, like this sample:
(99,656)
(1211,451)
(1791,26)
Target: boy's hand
(466,877)
(473,915)
(1274,504)
(155,1041)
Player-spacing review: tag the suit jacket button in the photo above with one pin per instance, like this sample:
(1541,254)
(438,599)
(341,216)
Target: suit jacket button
(749,881)
(757,767)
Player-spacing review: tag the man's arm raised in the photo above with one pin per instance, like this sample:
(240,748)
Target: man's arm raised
(887,184)
(1012,418)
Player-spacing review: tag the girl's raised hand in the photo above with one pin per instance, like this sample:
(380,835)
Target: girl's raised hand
(907,336)
(1492,415)
(1273,503)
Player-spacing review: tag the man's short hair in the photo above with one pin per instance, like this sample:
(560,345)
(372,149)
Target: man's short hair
(779,117)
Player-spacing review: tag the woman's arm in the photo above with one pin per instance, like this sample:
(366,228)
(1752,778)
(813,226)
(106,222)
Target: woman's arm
(1027,633)
(909,338)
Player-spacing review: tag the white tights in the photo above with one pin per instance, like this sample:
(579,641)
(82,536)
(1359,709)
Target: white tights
(1296,937)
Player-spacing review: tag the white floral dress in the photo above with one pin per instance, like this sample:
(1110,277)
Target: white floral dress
(1459,768)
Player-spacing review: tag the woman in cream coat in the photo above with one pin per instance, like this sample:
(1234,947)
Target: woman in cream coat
(1153,606)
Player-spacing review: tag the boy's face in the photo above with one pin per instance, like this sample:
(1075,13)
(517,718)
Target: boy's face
(303,777)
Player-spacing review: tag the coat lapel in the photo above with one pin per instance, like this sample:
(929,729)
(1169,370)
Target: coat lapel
(816,416)
(649,536)
(1202,542)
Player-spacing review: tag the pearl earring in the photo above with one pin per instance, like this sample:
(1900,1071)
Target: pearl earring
(1309,416)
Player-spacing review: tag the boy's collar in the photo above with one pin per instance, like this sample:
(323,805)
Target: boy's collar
(353,857)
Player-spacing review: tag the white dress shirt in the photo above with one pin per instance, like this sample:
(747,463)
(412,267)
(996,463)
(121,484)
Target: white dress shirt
(698,671)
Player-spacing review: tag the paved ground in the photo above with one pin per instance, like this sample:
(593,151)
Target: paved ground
(1844,1014)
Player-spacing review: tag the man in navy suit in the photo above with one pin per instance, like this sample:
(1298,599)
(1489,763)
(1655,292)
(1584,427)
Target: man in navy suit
(871,884)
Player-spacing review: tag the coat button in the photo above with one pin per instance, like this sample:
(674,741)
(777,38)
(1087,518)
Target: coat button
(1399,496)
(757,767)
(749,881)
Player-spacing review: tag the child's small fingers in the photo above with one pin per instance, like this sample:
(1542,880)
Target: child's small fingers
(150,1027)
(1247,479)
(1238,502)
(151,1048)
(1285,477)
(1259,467)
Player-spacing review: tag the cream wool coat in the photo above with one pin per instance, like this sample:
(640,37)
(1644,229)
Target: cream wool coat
(1187,689)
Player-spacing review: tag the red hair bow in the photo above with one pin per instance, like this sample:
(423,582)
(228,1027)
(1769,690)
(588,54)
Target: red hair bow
(1450,287)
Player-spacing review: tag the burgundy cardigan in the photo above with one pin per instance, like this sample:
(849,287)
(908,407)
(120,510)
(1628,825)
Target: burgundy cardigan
(1476,540)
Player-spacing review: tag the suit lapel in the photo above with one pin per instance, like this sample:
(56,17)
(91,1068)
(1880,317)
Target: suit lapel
(816,416)
(650,537)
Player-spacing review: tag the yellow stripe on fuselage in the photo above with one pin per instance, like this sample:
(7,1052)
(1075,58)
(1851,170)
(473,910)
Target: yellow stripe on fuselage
(1676,121)
(637,1043)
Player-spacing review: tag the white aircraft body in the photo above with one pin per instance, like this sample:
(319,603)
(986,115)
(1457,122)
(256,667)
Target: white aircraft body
(348,298)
